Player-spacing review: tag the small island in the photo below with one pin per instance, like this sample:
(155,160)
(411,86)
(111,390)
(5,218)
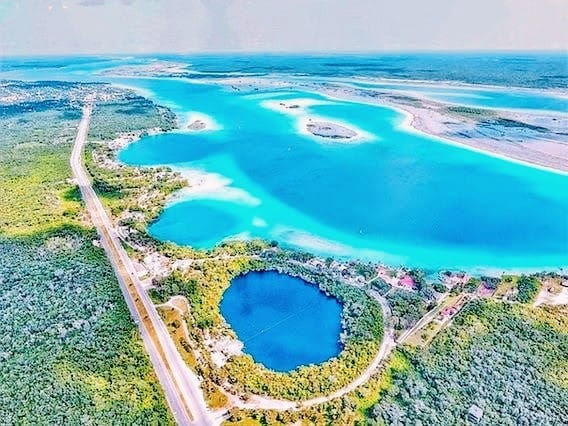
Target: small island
(326,129)
(197,125)
(310,124)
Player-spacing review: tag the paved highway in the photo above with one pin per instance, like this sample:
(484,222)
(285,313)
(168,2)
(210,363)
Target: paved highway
(181,386)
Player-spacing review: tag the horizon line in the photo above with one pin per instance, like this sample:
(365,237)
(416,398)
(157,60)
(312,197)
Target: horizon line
(298,53)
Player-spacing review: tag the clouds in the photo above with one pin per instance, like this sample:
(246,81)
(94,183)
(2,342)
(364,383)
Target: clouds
(101,2)
(91,2)
(129,26)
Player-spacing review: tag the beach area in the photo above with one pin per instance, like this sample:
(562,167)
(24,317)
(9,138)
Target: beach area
(531,137)
(312,125)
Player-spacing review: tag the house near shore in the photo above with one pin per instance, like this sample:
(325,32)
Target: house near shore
(407,282)
(485,292)
(454,279)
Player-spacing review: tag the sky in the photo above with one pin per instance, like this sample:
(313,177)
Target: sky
(32,27)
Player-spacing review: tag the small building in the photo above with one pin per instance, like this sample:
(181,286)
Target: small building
(474,414)
(483,291)
(449,312)
(406,282)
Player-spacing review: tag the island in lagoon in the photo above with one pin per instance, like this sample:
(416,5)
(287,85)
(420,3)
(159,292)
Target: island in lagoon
(326,129)
(316,183)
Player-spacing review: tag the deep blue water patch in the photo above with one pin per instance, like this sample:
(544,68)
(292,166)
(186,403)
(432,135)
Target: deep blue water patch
(283,321)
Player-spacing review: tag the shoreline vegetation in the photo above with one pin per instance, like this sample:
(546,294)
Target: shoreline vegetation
(206,342)
(526,137)
(378,301)
(239,374)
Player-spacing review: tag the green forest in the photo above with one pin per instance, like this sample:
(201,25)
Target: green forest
(70,353)
(508,359)
(361,318)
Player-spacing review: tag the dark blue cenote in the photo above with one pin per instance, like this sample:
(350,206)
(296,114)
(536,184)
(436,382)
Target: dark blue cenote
(283,321)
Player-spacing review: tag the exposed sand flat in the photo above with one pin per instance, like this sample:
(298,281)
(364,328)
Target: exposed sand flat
(322,128)
(296,107)
(534,138)
(547,150)
(451,84)
(152,69)
(326,129)
(205,185)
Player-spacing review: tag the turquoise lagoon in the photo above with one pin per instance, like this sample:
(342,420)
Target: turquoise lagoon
(273,315)
(401,197)
(397,197)
(479,97)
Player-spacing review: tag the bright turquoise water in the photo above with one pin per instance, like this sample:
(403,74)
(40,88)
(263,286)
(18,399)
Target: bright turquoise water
(478,97)
(273,315)
(400,198)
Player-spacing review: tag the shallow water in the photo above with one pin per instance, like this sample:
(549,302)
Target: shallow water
(273,315)
(513,99)
(398,197)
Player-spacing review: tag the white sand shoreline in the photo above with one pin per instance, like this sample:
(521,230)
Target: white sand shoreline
(430,119)
(409,125)
(343,133)
(196,121)
(209,186)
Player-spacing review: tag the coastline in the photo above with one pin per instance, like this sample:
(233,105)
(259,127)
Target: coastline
(430,123)
(413,123)
(427,119)
(217,187)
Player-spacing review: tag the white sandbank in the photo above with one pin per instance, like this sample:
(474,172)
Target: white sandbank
(408,125)
(211,186)
(299,108)
(194,117)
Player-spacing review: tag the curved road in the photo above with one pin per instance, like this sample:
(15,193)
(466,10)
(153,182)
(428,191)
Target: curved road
(181,386)
(387,345)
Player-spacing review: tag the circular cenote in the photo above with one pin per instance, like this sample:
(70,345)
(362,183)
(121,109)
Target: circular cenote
(283,321)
